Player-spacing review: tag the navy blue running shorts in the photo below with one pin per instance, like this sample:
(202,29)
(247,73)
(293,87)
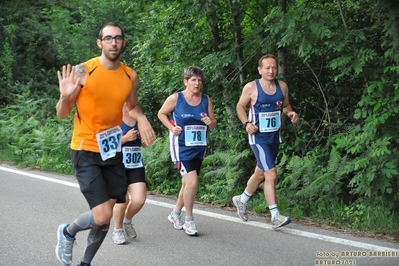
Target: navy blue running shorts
(188,166)
(266,155)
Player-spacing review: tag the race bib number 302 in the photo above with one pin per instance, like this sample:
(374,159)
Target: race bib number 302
(109,142)
(132,157)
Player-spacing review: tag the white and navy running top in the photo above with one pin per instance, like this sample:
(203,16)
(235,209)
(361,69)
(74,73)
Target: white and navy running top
(191,143)
(266,115)
(132,155)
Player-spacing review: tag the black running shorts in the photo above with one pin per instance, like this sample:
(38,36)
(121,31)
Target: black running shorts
(100,180)
(135,175)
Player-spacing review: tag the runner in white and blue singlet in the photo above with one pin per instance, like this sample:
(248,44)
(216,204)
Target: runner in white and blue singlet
(268,100)
(266,115)
(191,143)
(191,114)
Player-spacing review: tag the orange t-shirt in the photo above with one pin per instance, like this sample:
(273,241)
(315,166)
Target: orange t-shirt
(99,103)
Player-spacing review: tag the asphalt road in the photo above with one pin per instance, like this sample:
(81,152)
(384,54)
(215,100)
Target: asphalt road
(34,203)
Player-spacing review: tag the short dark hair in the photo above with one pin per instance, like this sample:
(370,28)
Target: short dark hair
(266,56)
(192,71)
(113,24)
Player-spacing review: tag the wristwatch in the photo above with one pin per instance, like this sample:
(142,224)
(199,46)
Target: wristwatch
(245,124)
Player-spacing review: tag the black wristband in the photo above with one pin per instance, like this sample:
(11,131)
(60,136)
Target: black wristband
(245,124)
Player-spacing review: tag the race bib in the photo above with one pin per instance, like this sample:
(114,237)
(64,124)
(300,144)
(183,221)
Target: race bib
(195,135)
(109,142)
(269,121)
(132,157)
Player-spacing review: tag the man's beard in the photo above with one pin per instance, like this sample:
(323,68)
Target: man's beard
(112,59)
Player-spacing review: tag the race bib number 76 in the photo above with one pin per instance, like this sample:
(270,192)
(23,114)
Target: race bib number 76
(269,121)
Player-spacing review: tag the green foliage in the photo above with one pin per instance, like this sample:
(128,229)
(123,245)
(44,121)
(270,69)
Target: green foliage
(222,176)
(355,215)
(342,66)
(33,138)
(373,145)
(161,175)
(363,216)
(309,181)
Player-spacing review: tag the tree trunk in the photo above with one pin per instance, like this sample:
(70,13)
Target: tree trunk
(282,54)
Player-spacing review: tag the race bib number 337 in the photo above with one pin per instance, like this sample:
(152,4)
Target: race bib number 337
(109,142)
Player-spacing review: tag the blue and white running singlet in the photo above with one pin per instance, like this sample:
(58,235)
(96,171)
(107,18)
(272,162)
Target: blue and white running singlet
(191,143)
(266,115)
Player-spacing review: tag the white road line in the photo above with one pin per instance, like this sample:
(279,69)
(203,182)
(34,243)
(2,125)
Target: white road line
(71,184)
(331,239)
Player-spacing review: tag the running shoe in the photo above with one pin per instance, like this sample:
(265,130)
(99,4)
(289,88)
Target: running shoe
(241,208)
(280,220)
(118,237)
(190,228)
(63,250)
(83,264)
(176,221)
(129,231)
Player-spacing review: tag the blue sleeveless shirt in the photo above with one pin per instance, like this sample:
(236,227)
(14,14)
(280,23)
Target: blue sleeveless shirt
(191,143)
(266,115)
(132,154)
(125,129)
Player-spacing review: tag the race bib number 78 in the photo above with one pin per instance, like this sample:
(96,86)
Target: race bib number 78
(195,135)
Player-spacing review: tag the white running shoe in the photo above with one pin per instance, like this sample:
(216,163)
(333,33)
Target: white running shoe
(241,208)
(118,237)
(176,221)
(280,220)
(190,228)
(129,231)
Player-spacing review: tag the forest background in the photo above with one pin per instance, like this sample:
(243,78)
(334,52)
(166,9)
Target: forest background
(338,166)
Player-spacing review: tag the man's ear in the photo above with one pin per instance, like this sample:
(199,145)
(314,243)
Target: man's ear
(99,44)
(124,46)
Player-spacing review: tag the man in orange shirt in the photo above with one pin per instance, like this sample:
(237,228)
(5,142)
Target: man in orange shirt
(99,87)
